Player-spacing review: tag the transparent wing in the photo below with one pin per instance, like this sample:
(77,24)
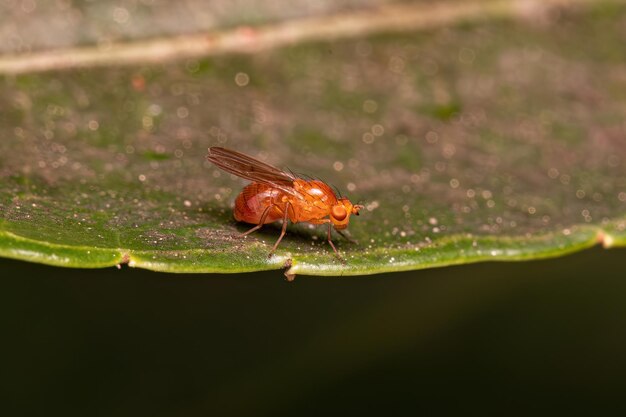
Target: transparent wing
(251,169)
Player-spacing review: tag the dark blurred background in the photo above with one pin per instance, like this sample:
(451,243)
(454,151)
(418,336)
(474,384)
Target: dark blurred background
(541,337)
(530,338)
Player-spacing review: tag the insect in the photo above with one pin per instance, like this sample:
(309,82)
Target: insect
(275,194)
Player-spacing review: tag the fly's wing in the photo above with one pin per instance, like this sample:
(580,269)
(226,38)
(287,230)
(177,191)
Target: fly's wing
(251,169)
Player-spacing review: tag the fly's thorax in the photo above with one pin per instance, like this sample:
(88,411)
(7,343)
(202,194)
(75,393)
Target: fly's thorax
(312,200)
(316,190)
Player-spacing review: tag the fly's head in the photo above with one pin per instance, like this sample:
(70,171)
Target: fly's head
(340,213)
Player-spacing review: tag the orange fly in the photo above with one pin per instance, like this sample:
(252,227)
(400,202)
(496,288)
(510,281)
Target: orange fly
(275,194)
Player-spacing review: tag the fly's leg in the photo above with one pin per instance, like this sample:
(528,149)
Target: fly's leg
(330,225)
(345,236)
(283,231)
(261,222)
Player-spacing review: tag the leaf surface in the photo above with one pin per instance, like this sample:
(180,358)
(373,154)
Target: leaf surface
(493,140)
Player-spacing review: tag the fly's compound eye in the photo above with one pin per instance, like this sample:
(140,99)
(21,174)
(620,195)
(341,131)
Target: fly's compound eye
(339,212)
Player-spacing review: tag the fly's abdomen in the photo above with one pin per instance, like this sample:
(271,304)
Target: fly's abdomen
(252,202)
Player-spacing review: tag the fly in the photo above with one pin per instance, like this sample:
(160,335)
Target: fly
(275,194)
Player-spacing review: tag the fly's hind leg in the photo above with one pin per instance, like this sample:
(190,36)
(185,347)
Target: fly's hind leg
(261,222)
(283,231)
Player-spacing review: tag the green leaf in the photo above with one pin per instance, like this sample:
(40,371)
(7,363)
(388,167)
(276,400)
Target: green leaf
(502,139)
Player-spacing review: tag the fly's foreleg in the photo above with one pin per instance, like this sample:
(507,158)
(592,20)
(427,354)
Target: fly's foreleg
(330,226)
(345,236)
